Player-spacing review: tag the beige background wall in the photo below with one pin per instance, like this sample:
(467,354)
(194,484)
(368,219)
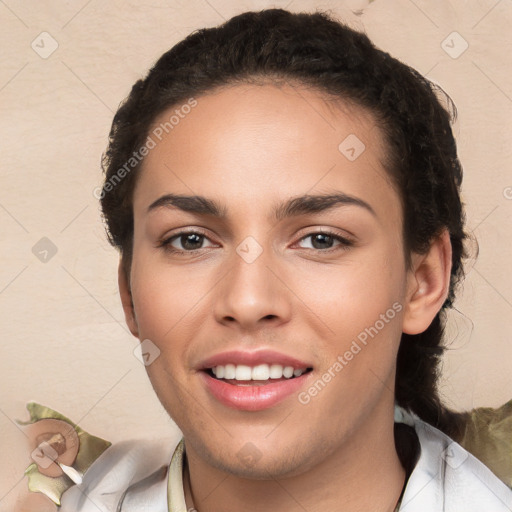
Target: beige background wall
(64,342)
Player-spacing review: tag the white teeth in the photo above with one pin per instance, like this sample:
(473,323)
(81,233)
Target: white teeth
(288,371)
(276,371)
(243,372)
(229,371)
(260,372)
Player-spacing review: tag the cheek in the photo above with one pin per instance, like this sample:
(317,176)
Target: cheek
(353,296)
(164,297)
(154,306)
(362,306)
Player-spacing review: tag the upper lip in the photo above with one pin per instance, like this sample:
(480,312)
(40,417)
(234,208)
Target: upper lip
(253,358)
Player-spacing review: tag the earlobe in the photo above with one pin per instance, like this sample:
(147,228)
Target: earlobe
(428,284)
(126,299)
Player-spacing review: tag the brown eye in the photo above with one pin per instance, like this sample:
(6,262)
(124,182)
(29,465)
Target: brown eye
(326,241)
(184,241)
(190,241)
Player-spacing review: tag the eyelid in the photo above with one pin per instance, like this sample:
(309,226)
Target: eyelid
(345,242)
(168,238)
(344,234)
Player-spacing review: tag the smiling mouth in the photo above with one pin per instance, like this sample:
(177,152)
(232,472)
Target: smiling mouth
(259,375)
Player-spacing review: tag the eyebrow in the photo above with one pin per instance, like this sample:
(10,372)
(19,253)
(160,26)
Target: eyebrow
(295,206)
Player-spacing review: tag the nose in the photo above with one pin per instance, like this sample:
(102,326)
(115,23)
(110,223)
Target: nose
(253,292)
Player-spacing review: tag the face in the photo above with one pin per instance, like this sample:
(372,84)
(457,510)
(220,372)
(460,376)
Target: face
(258,277)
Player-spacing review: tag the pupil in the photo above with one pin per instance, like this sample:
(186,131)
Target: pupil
(322,238)
(188,240)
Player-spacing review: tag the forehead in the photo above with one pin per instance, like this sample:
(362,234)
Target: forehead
(255,144)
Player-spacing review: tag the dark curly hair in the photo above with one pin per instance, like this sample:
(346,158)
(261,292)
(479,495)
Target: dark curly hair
(315,50)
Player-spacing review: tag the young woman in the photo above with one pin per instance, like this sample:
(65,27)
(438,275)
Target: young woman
(285,199)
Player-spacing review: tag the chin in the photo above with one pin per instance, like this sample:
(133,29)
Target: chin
(260,461)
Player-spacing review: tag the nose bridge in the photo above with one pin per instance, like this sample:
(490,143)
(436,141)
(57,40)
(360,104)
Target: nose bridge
(250,291)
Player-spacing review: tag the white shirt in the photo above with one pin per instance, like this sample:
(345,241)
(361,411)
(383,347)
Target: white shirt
(136,476)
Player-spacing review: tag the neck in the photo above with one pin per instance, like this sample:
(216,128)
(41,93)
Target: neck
(364,473)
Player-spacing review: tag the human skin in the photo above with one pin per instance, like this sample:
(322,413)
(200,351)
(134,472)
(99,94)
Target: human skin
(250,147)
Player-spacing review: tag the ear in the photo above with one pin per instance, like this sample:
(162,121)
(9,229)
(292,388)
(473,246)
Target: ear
(428,284)
(126,299)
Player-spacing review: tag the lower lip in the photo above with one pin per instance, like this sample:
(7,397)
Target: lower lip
(252,398)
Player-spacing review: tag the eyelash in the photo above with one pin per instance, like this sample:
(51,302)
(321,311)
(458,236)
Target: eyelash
(345,243)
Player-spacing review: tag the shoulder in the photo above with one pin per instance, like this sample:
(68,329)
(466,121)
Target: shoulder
(448,478)
(131,474)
